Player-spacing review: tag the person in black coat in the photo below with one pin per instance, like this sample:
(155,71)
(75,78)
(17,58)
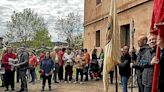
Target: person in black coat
(160,43)
(124,68)
(94,67)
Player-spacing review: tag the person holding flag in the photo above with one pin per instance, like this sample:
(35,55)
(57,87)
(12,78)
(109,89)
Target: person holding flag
(124,68)
(160,43)
(112,47)
(157,28)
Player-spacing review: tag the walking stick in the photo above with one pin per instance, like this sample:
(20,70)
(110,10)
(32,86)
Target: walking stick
(132,31)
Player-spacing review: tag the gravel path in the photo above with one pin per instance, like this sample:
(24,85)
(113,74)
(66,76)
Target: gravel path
(91,86)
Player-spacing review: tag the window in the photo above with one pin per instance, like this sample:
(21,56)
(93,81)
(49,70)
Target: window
(98,2)
(125,32)
(98,38)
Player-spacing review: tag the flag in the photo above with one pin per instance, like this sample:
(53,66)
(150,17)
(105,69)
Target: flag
(112,48)
(157,28)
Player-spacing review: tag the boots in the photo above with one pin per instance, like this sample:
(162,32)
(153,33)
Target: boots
(42,88)
(50,88)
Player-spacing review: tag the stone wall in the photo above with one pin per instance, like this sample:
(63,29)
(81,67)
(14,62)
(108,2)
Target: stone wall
(95,19)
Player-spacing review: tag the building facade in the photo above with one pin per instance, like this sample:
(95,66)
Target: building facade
(95,19)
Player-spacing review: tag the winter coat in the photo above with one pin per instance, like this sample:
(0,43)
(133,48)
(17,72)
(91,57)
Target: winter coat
(124,66)
(161,75)
(147,74)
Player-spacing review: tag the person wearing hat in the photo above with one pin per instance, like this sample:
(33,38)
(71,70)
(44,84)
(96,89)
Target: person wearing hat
(54,56)
(32,65)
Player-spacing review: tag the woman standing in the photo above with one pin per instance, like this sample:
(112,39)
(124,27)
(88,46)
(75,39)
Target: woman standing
(46,67)
(94,65)
(68,58)
(80,62)
(32,65)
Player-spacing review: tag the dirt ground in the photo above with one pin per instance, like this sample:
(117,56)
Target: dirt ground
(91,86)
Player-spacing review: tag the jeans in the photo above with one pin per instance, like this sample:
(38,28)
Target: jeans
(17,75)
(124,80)
(77,74)
(140,85)
(60,73)
(147,89)
(9,79)
(86,72)
(23,79)
(68,72)
(44,81)
(32,72)
(56,72)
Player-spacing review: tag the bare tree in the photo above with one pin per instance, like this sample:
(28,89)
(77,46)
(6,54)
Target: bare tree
(24,25)
(69,27)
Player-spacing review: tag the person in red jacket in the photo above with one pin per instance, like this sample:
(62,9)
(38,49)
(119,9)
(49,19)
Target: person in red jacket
(42,54)
(9,70)
(32,65)
(61,63)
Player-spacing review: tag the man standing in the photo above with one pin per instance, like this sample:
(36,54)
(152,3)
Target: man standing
(148,68)
(142,43)
(55,58)
(61,63)
(124,68)
(23,65)
(160,43)
(9,70)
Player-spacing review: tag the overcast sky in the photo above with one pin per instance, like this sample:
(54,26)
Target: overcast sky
(49,9)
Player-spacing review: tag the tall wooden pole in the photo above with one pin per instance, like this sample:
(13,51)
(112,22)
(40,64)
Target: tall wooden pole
(132,31)
(116,78)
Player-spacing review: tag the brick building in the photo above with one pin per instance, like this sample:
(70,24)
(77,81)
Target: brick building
(95,17)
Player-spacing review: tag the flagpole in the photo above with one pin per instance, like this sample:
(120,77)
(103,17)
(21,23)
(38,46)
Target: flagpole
(116,78)
(156,69)
(132,31)
(156,73)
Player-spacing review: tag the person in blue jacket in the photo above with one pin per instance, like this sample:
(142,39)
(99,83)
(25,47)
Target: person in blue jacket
(46,67)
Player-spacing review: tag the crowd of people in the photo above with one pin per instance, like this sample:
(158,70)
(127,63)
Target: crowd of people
(58,64)
(143,62)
